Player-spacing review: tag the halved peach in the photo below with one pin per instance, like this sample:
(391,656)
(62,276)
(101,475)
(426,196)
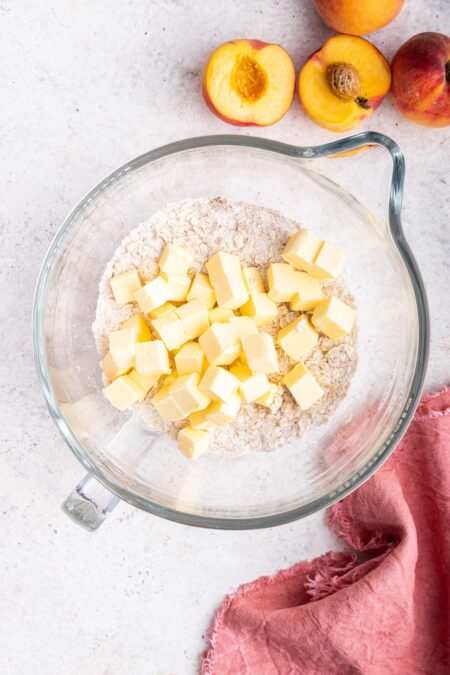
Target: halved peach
(248,82)
(343,82)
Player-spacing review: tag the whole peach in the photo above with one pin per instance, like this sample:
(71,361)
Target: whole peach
(421,79)
(358,17)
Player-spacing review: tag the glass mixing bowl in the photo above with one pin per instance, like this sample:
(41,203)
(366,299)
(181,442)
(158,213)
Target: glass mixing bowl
(124,458)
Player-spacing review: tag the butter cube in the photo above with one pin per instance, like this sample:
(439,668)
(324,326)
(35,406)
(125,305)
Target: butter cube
(141,330)
(253,280)
(221,413)
(194,317)
(220,344)
(308,292)
(334,318)
(152,358)
(193,442)
(110,368)
(268,399)
(164,310)
(260,353)
(175,259)
(219,384)
(201,289)
(123,392)
(298,338)
(171,330)
(225,275)
(166,405)
(122,347)
(281,281)
(301,250)
(260,308)
(329,261)
(220,315)
(303,386)
(152,295)
(187,395)
(190,359)
(145,382)
(200,420)
(177,286)
(251,386)
(125,285)
(243,325)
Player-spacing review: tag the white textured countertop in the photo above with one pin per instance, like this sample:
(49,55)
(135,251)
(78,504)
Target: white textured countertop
(85,86)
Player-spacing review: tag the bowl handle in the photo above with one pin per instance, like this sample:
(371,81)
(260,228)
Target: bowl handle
(89,503)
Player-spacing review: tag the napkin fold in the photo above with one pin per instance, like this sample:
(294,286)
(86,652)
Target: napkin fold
(384,606)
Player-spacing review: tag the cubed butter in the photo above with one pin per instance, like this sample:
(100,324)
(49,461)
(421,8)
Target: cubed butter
(281,282)
(194,317)
(301,250)
(193,442)
(253,280)
(122,347)
(152,358)
(201,289)
(225,275)
(123,392)
(177,286)
(221,413)
(268,399)
(125,285)
(333,318)
(308,292)
(260,353)
(251,386)
(166,405)
(329,261)
(220,315)
(243,325)
(187,395)
(164,310)
(220,344)
(303,386)
(145,382)
(171,330)
(175,259)
(200,420)
(260,308)
(154,294)
(111,369)
(298,338)
(141,330)
(190,359)
(218,384)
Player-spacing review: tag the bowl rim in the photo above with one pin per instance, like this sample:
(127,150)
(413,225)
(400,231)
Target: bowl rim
(331,149)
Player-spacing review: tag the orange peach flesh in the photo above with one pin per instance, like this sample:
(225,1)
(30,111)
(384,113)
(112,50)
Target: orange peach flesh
(358,17)
(321,104)
(247,82)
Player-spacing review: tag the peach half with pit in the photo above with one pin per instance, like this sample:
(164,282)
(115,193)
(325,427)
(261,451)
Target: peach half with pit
(248,82)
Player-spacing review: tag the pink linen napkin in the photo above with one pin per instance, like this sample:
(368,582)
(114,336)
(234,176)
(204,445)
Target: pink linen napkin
(382,608)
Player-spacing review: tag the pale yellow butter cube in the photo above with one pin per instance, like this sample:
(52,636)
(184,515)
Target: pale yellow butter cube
(154,294)
(281,281)
(201,289)
(187,395)
(193,442)
(268,399)
(123,392)
(298,338)
(301,250)
(251,386)
(303,386)
(260,308)
(253,280)
(221,413)
(308,292)
(220,344)
(152,358)
(177,286)
(166,405)
(190,359)
(329,261)
(260,353)
(200,420)
(175,259)
(194,317)
(125,285)
(219,384)
(164,310)
(243,325)
(334,318)
(145,382)
(122,346)
(141,329)
(225,275)
(220,315)
(110,368)
(171,330)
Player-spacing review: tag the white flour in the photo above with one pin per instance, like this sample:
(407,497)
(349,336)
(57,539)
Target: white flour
(257,235)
